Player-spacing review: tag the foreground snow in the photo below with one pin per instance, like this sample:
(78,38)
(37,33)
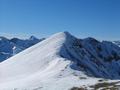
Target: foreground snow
(50,65)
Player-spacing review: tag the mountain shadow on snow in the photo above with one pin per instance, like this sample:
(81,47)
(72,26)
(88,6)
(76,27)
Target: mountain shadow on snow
(94,58)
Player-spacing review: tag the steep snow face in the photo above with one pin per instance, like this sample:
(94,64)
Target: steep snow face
(104,58)
(37,56)
(99,59)
(59,61)
(11,47)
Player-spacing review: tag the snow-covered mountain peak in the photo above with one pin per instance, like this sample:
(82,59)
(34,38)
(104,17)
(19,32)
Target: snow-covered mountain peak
(33,38)
(62,35)
(60,39)
(59,59)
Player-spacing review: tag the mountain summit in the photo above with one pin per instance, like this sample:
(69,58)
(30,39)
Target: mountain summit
(59,62)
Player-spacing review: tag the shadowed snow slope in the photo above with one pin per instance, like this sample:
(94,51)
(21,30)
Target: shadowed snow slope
(58,62)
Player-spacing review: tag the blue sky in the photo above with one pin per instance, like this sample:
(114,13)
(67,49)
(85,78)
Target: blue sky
(82,18)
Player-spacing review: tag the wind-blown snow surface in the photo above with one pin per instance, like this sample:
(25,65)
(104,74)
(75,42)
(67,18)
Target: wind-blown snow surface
(58,63)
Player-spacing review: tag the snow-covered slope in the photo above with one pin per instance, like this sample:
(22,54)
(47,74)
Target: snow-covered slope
(60,63)
(10,47)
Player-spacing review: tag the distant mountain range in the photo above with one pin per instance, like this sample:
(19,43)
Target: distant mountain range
(10,47)
(117,43)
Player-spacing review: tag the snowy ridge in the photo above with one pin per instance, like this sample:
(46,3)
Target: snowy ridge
(58,63)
